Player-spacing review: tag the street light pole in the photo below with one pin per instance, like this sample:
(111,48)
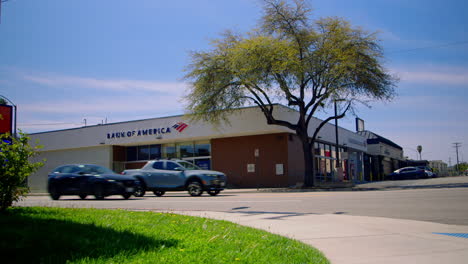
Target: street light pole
(14,109)
(338,167)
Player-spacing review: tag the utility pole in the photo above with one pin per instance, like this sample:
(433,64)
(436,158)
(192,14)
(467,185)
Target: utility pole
(456,145)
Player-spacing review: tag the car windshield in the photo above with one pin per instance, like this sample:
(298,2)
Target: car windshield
(94,169)
(188,165)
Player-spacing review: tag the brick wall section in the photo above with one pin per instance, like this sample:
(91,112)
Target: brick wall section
(231,156)
(134,165)
(118,153)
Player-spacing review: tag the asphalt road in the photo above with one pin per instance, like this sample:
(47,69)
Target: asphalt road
(446,206)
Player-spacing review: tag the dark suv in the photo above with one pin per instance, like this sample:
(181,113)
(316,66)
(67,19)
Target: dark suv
(160,176)
(88,179)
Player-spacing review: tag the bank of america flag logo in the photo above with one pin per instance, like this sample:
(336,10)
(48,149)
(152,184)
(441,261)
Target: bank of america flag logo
(180,126)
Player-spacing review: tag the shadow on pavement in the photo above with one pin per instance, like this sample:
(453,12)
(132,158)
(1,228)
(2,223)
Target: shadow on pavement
(278,215)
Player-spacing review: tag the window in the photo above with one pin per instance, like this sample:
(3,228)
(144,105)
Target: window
(59,169)
(328,168)
(155,152)
(143,153)
(158,165)
(131,153)
(186,150)
(188,165)
(171,165)
(94,169)
(317,148)
(203,164)
(70,169)
(202,149)
(169,151)
(327,151)
(333,151)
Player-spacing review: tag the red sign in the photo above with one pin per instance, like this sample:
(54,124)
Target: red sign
(6,118)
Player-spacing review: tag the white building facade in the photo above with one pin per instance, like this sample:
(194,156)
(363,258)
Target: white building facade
(248,150)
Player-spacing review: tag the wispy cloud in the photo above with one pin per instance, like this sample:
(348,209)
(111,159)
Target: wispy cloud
(433,75)
(122,100)
(70,114)
(132,104)
(63,81)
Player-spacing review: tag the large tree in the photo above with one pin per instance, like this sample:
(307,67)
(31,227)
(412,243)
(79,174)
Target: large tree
(290,59)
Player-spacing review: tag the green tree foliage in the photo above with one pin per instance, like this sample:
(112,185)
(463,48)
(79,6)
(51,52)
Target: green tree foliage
(15,167)
(292,60)
(462,167)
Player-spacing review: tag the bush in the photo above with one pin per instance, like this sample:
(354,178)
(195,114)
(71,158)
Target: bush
(15,167)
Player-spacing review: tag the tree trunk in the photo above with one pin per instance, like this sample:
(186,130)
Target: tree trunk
(309,175)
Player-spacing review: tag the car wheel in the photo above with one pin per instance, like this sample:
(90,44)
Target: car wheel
(159,193)
(140,190)
(54,194)
(213,193)
(83,196)
(195,188)
(126,195)
(98,192)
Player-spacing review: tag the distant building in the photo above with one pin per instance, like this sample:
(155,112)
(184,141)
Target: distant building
(439,167)
(383,156)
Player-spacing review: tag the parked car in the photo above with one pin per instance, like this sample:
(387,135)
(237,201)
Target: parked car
(87,179)
(160,176)
(407,173)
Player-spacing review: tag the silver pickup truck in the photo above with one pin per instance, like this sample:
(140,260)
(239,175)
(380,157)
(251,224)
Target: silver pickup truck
(160,176)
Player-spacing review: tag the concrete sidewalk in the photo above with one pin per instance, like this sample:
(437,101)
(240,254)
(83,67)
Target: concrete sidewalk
(348,239)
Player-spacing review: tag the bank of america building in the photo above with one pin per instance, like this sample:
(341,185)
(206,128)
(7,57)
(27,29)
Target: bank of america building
(249,151)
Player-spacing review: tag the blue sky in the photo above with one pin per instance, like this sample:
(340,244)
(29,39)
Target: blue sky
(64,61)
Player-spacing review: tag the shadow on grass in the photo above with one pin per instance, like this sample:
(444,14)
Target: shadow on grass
(29,239)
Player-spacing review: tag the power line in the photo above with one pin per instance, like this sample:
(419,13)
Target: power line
(430,47)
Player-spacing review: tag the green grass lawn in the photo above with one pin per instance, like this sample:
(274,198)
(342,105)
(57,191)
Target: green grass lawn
(62,235)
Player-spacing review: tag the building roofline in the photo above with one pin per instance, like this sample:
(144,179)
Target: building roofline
(172,116)
(379,138)
(132,121)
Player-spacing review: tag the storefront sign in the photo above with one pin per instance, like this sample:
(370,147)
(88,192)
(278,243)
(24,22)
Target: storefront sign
(5,118)
(138,133)
(147,132)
